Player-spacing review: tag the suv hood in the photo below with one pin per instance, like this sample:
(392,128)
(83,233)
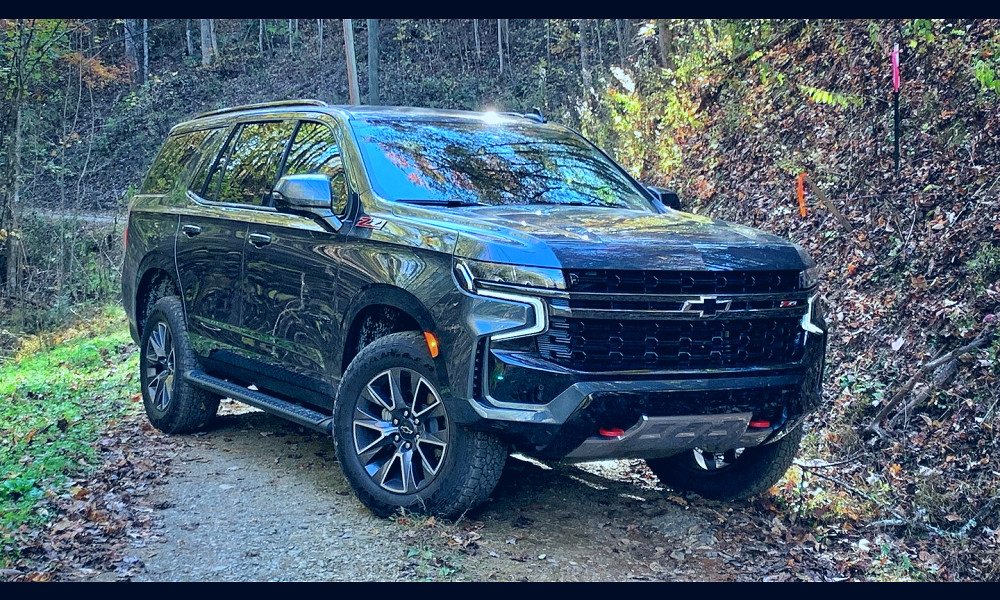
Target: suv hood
(588,238)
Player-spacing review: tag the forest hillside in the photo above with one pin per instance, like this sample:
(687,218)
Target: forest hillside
(786,125)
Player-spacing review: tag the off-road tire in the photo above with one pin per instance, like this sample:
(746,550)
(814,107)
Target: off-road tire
(471,463)
(188,408)
(752,474)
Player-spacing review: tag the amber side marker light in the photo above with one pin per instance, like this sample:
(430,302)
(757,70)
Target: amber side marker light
(432,344)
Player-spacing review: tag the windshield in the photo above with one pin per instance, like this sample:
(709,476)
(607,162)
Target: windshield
(462,162)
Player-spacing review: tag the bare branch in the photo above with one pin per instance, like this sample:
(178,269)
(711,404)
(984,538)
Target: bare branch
(979,342)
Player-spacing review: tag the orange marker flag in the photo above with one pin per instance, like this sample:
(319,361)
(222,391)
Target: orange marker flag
(802,194)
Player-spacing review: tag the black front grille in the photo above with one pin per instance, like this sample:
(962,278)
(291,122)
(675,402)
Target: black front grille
(612,345)
(682,282)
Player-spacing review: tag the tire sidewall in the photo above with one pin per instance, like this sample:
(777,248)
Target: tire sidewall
(756,470)
(371,361)
(189,408)
(161,419)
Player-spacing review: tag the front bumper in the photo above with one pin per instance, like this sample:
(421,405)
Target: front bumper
(561,413)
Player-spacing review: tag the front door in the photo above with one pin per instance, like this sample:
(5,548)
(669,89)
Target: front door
(291,266)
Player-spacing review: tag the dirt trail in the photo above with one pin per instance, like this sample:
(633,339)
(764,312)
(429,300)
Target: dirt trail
(257,499)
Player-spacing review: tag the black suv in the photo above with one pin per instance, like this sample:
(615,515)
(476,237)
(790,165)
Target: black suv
(436,288)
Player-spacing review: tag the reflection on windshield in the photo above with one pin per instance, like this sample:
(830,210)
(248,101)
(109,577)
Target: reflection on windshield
(473,162)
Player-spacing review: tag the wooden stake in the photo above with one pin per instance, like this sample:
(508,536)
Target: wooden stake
(826,202)
(802,194)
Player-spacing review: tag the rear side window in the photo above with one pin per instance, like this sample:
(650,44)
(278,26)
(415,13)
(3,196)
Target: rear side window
(179,153)
(248,167)
(209,150)
(315,150)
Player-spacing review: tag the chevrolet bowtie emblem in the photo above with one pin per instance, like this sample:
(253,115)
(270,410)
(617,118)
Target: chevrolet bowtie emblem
(706,306)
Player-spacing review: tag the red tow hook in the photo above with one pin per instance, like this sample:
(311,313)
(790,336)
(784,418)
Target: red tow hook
(611,432)
(760,424)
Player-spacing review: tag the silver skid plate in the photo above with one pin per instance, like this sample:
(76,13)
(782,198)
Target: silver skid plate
(656,437)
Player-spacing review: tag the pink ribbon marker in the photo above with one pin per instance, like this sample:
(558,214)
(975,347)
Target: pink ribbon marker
(895,67)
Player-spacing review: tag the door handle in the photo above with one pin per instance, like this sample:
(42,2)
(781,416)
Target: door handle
(191,230)
(259,240)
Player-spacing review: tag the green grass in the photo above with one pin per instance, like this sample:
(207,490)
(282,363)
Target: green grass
(53,407)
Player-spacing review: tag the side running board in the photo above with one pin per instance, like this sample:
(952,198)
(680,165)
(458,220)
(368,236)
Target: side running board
(299,415)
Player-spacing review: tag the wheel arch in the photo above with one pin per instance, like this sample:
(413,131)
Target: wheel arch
(156,279)
(394,310)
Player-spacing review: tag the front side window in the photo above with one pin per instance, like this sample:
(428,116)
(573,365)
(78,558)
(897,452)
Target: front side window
(477,162)
(315,150)
(247,169)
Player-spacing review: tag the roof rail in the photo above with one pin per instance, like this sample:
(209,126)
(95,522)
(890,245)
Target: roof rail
(536,116)
(278,103)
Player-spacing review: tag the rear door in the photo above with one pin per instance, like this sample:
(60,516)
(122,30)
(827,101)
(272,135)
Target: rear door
(228,194)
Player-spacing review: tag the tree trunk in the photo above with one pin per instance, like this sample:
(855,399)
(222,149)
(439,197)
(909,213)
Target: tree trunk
(475,30)
(666,38)
(260,36)
(548,64)
(319,27)
(352,65)
(187,37)
(584,58)
(8,214)
(600,46)
(131,52)
(206,44)
(145,50)
(290,49)
(506,39)
(373,98)
(621,41)
(215,40)
(500,43)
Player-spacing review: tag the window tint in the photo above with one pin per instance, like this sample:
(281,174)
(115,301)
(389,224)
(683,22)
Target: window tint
(315,150)
(498,164)
(249,169)
(209,151)
(179,153)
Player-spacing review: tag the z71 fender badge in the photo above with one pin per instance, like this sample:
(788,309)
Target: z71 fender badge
(371,223)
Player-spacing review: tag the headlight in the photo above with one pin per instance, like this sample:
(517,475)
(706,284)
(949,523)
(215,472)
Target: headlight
(813,314)
(470,272)
(809,278)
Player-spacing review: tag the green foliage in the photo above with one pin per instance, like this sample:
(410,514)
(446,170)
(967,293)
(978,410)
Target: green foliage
(874,33)
(921,31)
(769,76)
(985,266)
(642,130)
(54,407)
(830,98)
(72,263)
(431,564)
(993,355)
(986,75)
(860,397)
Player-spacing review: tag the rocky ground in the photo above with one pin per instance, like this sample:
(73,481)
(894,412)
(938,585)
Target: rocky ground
(257,499)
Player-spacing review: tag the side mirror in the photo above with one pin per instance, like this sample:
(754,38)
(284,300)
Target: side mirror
(665,197)
(309,193)
(303,192)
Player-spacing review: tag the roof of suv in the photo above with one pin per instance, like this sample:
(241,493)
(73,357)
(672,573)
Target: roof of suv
(362,112)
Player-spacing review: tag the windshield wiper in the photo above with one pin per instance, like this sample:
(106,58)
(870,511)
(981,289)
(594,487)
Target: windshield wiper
(574,203)
(448,203)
